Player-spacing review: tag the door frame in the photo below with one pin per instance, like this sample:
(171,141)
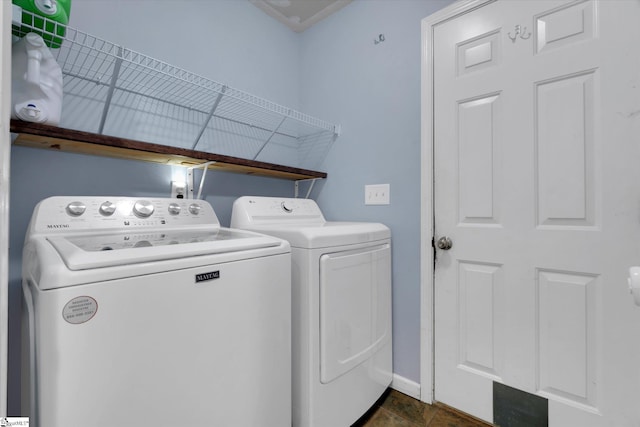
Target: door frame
(5,148)
(427,300)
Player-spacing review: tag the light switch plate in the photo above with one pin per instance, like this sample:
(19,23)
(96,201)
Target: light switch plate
(376,194)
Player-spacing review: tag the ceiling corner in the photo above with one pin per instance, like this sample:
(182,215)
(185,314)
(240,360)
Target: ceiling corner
(299,15)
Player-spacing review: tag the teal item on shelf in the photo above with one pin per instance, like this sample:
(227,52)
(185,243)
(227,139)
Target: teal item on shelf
(47,18)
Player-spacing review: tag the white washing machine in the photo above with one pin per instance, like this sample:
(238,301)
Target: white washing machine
(148,313)
(341,307)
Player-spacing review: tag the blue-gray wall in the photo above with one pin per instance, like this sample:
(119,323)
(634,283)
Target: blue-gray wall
(373,90)
(333,71)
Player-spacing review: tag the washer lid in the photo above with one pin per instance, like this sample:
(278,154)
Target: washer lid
(327,234)
(82,252)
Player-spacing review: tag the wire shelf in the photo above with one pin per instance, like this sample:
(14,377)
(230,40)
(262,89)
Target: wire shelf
(113,90)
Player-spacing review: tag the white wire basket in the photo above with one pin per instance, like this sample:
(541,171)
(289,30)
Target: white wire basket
(112,90)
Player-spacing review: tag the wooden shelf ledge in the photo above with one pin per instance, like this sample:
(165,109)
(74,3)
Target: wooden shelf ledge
(55,138)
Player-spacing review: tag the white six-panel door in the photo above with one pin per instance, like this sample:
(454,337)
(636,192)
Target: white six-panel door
(536,139)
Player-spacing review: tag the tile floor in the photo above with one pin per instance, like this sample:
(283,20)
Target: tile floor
(395,409)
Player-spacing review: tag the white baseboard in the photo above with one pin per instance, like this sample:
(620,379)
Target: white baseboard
(406,386)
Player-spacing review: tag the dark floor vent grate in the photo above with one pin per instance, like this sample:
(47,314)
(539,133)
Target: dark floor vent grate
(516,408)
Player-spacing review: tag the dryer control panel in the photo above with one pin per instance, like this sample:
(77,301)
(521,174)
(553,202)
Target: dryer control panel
(69,214)
(253,210)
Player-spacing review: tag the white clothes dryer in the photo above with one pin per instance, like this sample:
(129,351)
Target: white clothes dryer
(147,312)
(341,307)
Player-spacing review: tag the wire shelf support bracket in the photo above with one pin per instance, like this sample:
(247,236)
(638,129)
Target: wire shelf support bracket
(296,187)
(112,86)
(213,110)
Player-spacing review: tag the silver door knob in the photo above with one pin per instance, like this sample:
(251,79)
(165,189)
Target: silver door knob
(444,243)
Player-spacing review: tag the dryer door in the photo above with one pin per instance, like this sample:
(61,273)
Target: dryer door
(355,307)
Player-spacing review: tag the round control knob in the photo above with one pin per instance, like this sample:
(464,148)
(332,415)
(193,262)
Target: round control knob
(76,208)
(286,208)
(194,208)
(143,208)
(107,208)
(174,208)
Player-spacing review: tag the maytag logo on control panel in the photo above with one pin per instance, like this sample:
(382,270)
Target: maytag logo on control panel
(57,225)
(212,275)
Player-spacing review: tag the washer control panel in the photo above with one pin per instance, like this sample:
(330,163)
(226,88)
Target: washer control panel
(84,213)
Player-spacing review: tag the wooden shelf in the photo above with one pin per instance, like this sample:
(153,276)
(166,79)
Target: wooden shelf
(73,141)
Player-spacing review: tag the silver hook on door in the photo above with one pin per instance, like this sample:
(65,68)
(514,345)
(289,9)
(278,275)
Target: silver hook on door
(520,31)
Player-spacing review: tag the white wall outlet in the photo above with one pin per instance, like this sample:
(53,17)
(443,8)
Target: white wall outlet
(178,190)
(376,194)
